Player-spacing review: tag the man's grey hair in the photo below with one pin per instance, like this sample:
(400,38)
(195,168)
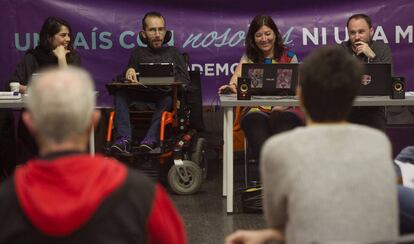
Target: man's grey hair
(61,102)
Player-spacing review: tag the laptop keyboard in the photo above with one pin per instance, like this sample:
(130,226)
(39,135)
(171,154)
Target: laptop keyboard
(274,97)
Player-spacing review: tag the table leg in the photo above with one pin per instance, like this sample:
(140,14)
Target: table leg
(225,152)
(229,158)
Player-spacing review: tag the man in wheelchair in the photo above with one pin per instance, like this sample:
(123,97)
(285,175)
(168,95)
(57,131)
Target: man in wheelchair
(154,34)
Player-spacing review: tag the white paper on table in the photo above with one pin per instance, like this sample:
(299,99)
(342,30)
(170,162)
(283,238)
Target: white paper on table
(407,173)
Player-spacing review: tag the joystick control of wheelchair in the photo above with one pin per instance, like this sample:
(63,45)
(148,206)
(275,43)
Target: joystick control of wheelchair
(183,142)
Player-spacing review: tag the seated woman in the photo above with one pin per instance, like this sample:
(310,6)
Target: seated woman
(264,44)
(55,49)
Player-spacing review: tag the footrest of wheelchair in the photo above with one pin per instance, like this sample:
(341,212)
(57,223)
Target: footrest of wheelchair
(154,152)
(121,154)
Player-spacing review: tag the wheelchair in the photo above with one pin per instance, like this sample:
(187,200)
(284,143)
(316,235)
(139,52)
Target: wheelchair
(181,156)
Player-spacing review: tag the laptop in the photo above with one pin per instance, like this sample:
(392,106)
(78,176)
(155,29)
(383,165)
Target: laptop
(156,74)
(376,80)
(272,79)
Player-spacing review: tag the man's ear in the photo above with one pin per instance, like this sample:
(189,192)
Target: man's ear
(143,37)
(371,32)
(299,92)
(143,34)
(28,121)
(96,116)
(299,95)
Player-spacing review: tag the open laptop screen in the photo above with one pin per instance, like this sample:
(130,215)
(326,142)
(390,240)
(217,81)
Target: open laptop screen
(272,79)
(156,73)
(376,80)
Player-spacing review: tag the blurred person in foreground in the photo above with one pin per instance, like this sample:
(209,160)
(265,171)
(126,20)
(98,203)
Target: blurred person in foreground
(68,196)
(331,180)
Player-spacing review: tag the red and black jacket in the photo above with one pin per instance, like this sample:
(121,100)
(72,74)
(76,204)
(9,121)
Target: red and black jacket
(81,199)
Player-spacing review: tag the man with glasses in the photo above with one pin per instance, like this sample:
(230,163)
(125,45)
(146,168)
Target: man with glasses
(154,31)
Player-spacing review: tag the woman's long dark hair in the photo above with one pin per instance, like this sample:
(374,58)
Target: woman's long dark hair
(50,28)
(252,50)
(43,52)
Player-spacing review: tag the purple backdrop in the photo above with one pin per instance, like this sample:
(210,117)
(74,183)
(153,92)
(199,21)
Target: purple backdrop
(212,32)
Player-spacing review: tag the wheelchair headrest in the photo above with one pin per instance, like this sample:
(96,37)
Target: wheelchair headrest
(167,37)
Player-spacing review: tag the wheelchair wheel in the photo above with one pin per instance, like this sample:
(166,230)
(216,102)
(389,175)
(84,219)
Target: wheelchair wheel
(199,156)
(185,182)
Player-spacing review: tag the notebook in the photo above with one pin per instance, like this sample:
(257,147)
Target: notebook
(376,80)
(156,73)
(272,79)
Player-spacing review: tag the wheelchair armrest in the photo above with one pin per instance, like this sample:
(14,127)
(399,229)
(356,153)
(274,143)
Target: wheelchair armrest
(166,118)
